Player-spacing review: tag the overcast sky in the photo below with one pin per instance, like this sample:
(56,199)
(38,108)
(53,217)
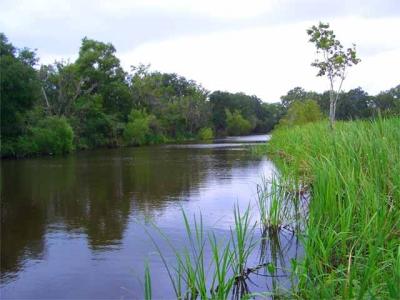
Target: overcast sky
(258,47)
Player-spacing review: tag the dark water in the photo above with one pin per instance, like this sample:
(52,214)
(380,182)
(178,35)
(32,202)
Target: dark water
(74,227)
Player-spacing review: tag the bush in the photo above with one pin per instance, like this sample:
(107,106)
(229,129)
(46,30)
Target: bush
(236,124)
(142,129)
(53,135)
(205,133)
(301,112)
(25,146)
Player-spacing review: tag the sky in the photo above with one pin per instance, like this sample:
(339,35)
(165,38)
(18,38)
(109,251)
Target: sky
(259,47)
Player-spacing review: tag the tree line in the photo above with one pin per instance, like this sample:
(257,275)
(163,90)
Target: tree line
(303,106)
(93,102)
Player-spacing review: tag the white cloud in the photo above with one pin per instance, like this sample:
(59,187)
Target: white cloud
(223,44)
(268,61)
(225,9)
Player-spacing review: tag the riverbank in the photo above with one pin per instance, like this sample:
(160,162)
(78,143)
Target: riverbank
(30,151)
(353,227)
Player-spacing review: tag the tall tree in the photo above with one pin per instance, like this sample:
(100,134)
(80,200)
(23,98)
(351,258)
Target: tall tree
(332,61)
(19,87)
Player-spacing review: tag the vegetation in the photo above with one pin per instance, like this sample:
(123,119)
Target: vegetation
(333,63)
(351,105)
(301,112)
(352,238)
(339,192)
(106,106)
(205,133)
(236,124)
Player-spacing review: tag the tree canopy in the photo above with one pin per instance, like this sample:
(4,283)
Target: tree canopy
(93,102)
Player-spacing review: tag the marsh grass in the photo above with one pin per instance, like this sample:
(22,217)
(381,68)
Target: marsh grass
(226,272)
(192,276)
(353,226)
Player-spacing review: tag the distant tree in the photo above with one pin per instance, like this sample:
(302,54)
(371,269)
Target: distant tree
(387,103)
(302,112)
(295,94)
(355,104)
(333,61)
(236,124)
(270,116)
(250,108)
(142,129)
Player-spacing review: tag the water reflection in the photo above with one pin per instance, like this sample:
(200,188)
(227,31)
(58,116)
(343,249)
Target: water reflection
(58,215)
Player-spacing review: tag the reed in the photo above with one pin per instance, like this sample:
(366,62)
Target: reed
(353,225)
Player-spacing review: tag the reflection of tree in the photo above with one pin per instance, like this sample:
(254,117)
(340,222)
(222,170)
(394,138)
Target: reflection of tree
(95,192)
(23,223)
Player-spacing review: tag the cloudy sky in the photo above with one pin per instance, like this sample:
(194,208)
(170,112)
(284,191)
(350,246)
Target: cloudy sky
(259,47)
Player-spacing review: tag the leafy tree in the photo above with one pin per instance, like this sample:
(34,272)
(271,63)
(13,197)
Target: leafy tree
(92,126)
(142,129)
(250,107)
(61,87)
(387,103)
(236,124)
(298,94)
(181,105)
(100,72)
(302,112)
(355,104)
(270,116)
(333,63)
(19,88)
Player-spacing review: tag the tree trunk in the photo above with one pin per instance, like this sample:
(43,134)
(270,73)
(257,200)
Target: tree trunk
(332,108)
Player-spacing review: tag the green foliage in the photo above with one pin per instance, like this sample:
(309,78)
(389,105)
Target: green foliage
(96,96)
(142,129)
(262,116)
(93,128)
(300,113)
(205,133)
(18,87)
(333,61)
(352,240)
(236,124)
(53,135)
(299,94)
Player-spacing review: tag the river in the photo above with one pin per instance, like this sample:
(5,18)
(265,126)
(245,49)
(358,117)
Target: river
(78,226)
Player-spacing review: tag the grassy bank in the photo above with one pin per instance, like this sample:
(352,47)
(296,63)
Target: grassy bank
(352,242)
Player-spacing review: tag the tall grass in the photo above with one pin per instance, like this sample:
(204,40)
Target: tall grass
(192,276)
(225,273)
(353,227)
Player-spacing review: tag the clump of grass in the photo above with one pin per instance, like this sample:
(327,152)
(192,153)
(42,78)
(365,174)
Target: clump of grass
(282,204)
(353,227)
(193,277)
(242,237)
(224,274)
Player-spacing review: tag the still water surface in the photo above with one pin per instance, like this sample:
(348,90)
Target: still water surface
(74,227)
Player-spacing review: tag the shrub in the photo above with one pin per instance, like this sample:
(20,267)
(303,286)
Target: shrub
(205,133)
(53,135)
(25,146)
(142,129)
(302,112)
(236,124)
